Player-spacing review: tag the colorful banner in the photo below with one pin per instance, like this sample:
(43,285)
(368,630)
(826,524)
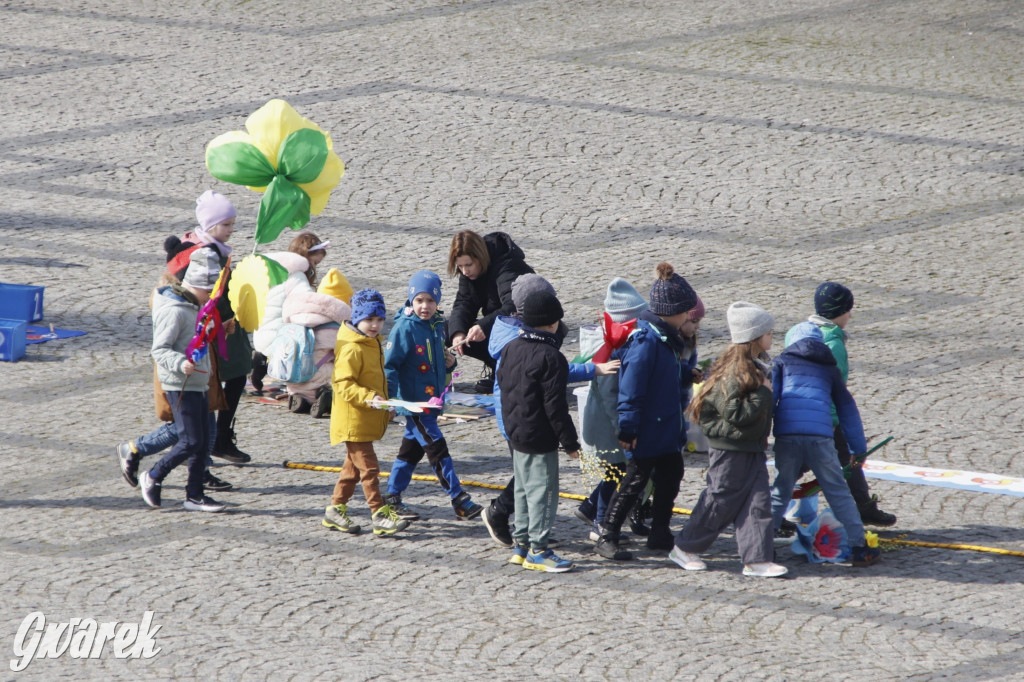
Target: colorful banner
(945,478)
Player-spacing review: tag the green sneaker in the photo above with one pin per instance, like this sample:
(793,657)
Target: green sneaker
(336,518)
(386,521)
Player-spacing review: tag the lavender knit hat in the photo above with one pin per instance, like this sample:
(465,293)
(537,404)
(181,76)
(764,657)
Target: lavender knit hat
(213,208)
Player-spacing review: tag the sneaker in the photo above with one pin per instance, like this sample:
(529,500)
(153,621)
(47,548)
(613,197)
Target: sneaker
(466,508)
(211,482)
(226,449)
(608,547)
(204,504)
(395,502)
(150,489)
(519,553)
(586,512)
(687,561)
(547,561)
(865,556)
(497,527)
(767,570)
(387,522)
(129,462)
(321,406)
(871,515)
(336,518)
(486,383)
(784,535)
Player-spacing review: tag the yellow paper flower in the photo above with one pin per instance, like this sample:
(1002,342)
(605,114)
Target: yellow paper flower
(871,539)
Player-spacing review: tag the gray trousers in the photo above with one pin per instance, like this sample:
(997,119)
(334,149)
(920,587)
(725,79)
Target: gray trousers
(536,495)
(737,492)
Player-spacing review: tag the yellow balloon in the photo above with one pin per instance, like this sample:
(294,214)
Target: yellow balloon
(247,291)
(272,123)
(319,190)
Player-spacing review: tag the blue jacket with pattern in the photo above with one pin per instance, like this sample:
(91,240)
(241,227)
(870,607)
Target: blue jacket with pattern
(414,358)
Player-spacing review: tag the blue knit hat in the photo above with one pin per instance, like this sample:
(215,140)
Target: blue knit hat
(804,330)
(426,282)
(367,303)
(621,301)
(832,300)
(670,293)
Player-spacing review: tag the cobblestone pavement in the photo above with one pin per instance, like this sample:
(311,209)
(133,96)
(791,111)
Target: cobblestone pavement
(760,146)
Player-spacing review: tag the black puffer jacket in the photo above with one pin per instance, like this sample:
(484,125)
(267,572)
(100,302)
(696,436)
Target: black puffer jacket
(533,375)
(490,294)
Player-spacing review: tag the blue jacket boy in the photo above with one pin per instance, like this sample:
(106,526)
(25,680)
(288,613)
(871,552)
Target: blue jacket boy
(415,359)
(806,383)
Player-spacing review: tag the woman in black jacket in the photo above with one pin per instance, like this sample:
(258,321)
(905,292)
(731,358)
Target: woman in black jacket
(486,266)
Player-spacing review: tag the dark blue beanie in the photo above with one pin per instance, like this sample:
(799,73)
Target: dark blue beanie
(367,303)
(670,293)
(832,300)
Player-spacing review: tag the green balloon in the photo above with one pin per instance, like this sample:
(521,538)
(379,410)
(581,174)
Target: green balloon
(239,163)
(302,155)
(284,204)
(276,272)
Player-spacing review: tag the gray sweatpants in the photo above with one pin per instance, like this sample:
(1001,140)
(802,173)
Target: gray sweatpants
(737,492)
(536,496)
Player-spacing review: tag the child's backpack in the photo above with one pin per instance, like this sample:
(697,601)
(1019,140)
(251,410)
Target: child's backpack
(290,357)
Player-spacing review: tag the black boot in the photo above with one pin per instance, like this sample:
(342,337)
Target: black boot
(871,515)
(298,404)
(321,406)
(224,448)
(608,546)
(660,538)
(637,518)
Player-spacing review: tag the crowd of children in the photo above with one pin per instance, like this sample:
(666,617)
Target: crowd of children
(642,380)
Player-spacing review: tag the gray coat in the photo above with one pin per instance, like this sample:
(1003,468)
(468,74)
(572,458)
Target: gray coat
(601,418)
(174,325)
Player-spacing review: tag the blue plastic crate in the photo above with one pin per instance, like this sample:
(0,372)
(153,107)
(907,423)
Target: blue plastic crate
(21,302)
(12,340)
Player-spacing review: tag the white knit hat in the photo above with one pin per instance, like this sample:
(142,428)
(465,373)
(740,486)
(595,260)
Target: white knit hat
(748,322)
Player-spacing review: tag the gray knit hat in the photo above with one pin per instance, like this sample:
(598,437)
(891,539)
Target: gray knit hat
(670,293)
(622,303)
(748,322)
(526,284)
(203,269)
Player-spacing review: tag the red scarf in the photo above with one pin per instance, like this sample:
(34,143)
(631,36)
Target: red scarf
(615,334)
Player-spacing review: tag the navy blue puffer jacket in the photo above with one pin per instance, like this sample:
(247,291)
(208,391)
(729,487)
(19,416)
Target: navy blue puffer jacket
(806,383)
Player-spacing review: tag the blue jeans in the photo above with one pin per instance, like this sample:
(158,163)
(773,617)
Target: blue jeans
(166,435)
(192,423)
(818,453)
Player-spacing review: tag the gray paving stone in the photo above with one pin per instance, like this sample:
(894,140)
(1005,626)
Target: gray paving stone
(760,147)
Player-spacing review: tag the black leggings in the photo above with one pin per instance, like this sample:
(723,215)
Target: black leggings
(667,472)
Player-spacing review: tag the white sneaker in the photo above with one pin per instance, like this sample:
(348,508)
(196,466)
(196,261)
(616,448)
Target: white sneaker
(687,561)
(767,570)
